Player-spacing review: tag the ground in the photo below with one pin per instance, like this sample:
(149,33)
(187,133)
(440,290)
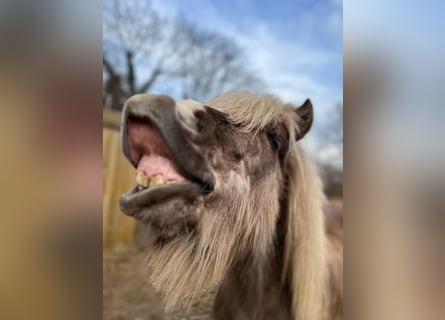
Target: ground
(127,294)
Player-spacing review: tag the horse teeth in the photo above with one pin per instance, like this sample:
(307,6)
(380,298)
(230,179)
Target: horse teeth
(142,179)
(156,180)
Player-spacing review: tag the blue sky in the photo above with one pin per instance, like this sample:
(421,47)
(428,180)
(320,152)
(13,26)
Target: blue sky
(296,47)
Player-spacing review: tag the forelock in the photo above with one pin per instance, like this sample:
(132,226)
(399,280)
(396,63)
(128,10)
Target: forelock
(255,112)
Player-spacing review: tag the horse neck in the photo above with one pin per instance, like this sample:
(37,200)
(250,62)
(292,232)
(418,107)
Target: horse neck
(253,288)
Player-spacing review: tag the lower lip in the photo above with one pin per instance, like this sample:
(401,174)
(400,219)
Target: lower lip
(134,200)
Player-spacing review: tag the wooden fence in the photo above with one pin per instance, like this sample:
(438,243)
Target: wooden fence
(118,177)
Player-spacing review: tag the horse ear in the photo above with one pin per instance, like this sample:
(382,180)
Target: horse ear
(306,116)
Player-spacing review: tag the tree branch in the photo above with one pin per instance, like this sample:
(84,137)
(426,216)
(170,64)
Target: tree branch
(130,71)
(108,67)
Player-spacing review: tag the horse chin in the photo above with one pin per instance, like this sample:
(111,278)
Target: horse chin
(170,210)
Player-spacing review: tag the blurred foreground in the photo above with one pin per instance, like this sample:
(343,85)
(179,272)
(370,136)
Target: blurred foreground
(50,176)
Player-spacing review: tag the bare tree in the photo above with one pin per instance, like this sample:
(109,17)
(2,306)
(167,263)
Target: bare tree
(142,49)
(212,64)
(132,34)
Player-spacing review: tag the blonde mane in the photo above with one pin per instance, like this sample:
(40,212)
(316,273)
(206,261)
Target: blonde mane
(305,266)
(305,247)
(187,268)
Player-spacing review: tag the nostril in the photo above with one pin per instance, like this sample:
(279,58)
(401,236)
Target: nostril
(199,121)
(188,119)
(199,126)
(187,110)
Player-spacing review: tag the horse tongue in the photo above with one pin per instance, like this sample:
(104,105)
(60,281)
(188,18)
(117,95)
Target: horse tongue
(154,164)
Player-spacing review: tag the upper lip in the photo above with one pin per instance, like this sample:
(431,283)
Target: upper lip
(190,163)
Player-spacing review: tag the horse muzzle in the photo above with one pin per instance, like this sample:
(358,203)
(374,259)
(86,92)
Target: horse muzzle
(155,135)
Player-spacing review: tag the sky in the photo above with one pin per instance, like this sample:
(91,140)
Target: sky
(295,47)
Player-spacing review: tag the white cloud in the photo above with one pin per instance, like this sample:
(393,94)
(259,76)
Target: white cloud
(292,68)
(289,69)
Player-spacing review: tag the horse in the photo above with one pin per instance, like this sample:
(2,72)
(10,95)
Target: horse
(234,206)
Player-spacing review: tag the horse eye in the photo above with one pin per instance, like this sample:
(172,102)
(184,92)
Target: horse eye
(274,140)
